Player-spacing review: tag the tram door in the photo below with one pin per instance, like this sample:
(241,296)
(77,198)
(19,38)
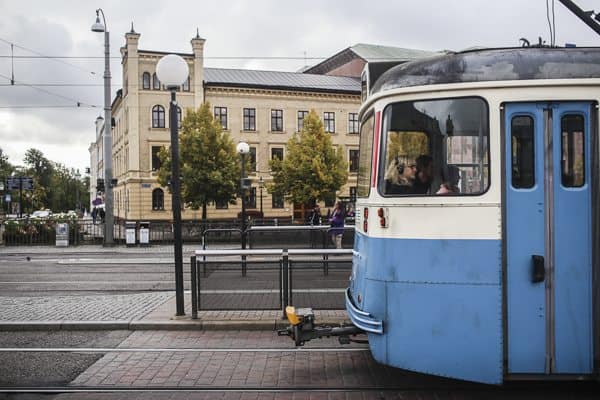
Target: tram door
(548,238)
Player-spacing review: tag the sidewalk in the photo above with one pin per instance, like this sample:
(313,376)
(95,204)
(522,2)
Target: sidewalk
(142,311)
(147,311)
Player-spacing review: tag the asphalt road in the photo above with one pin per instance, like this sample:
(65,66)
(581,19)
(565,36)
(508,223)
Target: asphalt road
(224,286)
(50,369)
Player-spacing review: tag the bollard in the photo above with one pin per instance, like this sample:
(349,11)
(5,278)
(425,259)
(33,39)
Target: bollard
(194,287)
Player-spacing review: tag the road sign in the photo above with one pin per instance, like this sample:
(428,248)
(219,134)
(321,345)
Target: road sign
(19,182)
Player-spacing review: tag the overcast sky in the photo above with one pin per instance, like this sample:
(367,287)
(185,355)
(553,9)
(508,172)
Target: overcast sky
(44,114)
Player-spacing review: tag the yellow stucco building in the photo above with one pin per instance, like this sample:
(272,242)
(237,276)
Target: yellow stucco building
(262,108)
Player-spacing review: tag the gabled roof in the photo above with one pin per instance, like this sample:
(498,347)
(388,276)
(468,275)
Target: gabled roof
(281,80)
(375,53)
(368,53)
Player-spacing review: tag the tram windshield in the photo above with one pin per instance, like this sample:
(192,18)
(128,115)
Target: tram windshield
(435,147)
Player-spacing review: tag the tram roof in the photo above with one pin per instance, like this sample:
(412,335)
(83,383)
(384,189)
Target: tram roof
(520,63)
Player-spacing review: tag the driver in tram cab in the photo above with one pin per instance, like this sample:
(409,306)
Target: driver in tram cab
(424,174)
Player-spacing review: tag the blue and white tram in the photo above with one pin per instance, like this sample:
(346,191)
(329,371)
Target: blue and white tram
(477,247)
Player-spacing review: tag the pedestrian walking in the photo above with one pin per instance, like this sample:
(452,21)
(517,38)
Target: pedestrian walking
(315,216)
(337,225)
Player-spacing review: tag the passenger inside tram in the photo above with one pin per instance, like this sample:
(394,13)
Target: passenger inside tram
(400,178)
(450,180)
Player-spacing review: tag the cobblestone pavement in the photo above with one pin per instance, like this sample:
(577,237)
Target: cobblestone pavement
(81,308)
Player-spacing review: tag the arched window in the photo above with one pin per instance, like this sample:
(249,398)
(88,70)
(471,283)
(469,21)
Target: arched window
(155,82)
(146,80)
(158,116)
(158,199)
(178,117)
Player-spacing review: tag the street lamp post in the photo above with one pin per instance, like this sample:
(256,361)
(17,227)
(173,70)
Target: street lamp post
(108,191)
(77,181)
(243,148)
(261,185)
(172,71)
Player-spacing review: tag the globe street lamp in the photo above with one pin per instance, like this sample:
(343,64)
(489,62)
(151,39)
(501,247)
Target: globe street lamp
(108,191)
(172,71)
(243,149)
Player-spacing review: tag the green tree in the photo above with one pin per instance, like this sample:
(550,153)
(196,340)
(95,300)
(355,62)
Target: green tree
(209,164)
(312,169)
(41,170)
(6,168)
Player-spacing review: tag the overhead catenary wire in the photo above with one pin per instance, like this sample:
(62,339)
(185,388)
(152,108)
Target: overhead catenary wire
(77,102)
(40,55)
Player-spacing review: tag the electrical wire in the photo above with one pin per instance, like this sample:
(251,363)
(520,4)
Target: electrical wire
(548,18)
(40,55)
(77,102)
(553,25)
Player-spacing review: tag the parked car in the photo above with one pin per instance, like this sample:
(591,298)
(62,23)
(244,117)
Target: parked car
(41,214)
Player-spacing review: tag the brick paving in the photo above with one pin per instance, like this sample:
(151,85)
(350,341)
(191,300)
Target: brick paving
(335,368)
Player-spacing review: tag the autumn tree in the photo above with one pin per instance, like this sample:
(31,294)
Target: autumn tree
(209,164)
(312,169)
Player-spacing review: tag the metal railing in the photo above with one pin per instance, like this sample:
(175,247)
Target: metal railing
(297,236)
(273,279)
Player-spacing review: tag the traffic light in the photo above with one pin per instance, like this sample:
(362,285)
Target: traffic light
(100,185)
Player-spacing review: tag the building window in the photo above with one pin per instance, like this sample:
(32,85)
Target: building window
(277,201)
(301,116)
(249,119)
(178,117)
(221,205)
(186,85)
(352,123)
(221,116)
(252,155)
(353,160)
(158,199)
(329,122)
(277,152)
(155,82)
(276,120)
(158,116)
(155,159)
(146,80)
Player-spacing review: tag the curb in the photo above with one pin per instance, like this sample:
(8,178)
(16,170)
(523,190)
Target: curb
(146,325)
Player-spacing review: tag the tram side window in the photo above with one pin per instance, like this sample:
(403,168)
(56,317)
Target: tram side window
(435,147)
(572,151)
(365,155)
(522,152)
